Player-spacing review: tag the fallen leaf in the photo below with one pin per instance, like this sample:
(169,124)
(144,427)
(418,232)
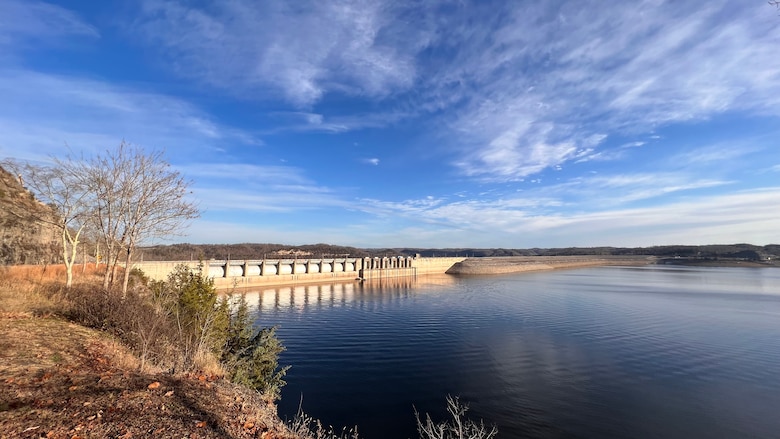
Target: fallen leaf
(201,424)
(154,385)
(169,393)
(248,425)
(72,388)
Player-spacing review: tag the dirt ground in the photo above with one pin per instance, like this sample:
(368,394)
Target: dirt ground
(61,380)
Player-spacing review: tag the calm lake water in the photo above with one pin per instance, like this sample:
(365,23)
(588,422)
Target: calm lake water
(640,352)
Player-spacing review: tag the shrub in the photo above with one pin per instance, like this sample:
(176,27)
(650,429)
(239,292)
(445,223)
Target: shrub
(251,355)
(188,301)
(204,325)
(459,427)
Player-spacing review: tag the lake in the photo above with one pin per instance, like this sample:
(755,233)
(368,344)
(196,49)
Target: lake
(631,352)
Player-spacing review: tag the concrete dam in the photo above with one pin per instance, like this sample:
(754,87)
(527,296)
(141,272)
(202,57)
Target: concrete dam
(250,273)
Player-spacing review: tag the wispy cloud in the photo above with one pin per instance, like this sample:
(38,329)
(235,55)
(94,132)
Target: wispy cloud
(525,87)
(552,74)
(714,154)
(298,121)
(500,223)
(616,190)
(24,22)
(42,113)
(241,187)
(304,51)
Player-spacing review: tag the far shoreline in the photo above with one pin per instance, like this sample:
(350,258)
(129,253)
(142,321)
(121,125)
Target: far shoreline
(520,264)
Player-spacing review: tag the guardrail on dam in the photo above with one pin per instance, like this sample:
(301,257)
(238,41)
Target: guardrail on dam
(249,273)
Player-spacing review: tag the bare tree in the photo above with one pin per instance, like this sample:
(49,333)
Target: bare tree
(138,197)
(67,195)
(459,427)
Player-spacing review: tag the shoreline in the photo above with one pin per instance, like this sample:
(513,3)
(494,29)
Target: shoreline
(519,264)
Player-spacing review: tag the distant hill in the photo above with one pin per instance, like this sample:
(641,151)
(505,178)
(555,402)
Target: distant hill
(712,251)
(23,240)
(183,252)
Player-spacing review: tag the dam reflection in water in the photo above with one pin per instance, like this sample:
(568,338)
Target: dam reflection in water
(304,298)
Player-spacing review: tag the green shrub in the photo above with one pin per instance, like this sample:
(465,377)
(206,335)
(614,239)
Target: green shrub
(250,355)
(189,299)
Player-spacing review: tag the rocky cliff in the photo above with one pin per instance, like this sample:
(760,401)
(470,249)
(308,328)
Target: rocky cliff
(23,238)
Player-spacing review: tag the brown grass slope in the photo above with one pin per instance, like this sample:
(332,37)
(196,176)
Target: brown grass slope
(61,380)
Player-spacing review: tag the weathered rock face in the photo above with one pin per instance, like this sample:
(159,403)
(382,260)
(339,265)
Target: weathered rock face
(24,240)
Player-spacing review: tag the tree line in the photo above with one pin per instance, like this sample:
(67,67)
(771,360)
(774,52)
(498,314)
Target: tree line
(184,252)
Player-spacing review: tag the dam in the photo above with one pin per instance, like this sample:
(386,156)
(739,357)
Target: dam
(260,272)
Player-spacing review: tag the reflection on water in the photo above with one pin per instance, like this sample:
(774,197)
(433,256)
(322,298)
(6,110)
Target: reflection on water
(301,298)
(601,352)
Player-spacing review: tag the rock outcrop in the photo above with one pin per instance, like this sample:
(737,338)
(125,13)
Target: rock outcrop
(23,238)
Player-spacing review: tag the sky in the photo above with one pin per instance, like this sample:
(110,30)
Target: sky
(384,123)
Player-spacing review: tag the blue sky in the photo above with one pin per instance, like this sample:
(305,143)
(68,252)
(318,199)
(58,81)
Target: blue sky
(419,124)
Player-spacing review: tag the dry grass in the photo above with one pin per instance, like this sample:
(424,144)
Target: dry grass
(31,289)
(44,274)
(123,359)
(208,364)
(19,295)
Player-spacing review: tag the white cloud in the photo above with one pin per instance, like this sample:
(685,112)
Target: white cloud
(372,161)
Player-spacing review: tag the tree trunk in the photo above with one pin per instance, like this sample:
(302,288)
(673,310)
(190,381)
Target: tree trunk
(127,271)
(84,260)
(68,264)
(107,274)
(69,253)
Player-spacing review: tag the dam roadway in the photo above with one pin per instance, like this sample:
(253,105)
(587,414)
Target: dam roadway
(270,272)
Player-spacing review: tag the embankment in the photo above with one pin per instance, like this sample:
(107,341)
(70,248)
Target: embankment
(518,264)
